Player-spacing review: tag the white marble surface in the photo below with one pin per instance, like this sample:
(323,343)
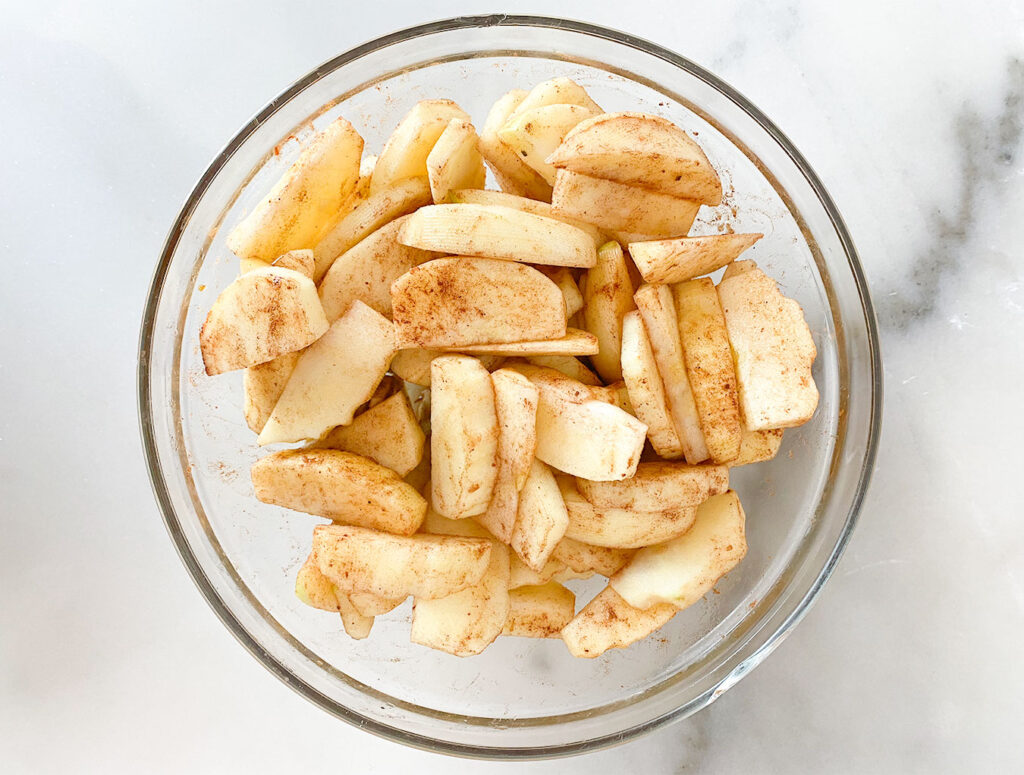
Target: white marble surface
(913,115)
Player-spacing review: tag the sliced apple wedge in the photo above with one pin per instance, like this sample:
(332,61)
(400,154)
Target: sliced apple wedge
(522,575)
(472,196)
(367,270)
(573,342)
(387,433)
(709,366)
(583,558)
(262,314)
(333,377)
(757,446)
(541,519)
(455,161)
(294,215)
(608,296)
(683,258)
(535,133)
(314,589)
(341,486)
(639,149)
(406,151)
(539,611)
(380,208)
(658,487)
(468,621)
(567,365)
(609,622)
(616,206)
(658,312)
(371,605)
(392,566)
(737,268)
(562,277)
(357,625)
(645,389)
(494,231)
(621,528)
(555,91)
(301,261)
(413,364)
(511,172)
(464,437)
(681,571)
(773,350)
(515,402)
(263,386)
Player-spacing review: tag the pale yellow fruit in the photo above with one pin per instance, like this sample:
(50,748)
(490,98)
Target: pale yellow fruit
(683,258)
(406,151)
(584,558)
(455,161)
(511,172)
(567,365)
(609,622)
(555,91)
(541,519)
(757,446)
(573,342)
(535,133)
(539,611)
(263,386)
(658,487)
(473,196)
(606,300)
(562,277)
(387,433)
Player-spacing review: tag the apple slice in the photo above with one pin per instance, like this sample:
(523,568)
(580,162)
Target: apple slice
(541,519)
(535,133)
(709,367)
(392,566)
(357,625)
(639,149)
(494,231)
(615,206)
(562,277)
(464,438)
(555,91)
(314,589)
(567,365)
(472,196)
(262,314)
(301,261)
(413,364)
(455,161)
(680,259)
(406,151)
(757,446)
(773,351)
(658,311)
(737,268)
(584,558)
(515,402)
(539,611)
(380,208)
(333,377)
(511,172)
(263,386)
(388,434)
(304,201)
(681,571)
(573,342)
(609,622)
(367,270)
(454,302)
(608,296)
(522,575)
(645,389)
(370,605)
(340,486)
(658,487)
(468,621)
(621,528)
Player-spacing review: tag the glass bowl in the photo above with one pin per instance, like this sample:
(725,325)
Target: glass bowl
(521,697)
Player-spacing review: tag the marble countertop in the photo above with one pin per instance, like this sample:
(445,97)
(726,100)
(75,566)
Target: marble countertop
(908,662)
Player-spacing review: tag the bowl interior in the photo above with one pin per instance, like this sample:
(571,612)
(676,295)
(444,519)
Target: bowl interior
(519,694)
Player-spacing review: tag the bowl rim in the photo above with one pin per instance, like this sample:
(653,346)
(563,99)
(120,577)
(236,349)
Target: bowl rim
(159,484)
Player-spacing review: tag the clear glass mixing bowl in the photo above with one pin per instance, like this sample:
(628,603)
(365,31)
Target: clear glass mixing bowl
(521,698)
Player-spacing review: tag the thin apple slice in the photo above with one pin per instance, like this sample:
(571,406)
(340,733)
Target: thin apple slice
(608,296)
(511,172)
(773,351)
(372,605)
(658,312)
(392,566)
(472,196)
(645,389)
(263,386)
(313,588)
(541,519)
(301,261)
(343,487)
(464,437)
(455,161)
(567,365)
(683,258)
(562,277)
(305,200)
(413,364)
(615,206)
(658,487)
(539,611)
(455,302)
(333,377)
(555,91)
(609,622)
(262,314)
(494,231)
(584,558)
(573,342)
(535,133)
(388,434)
(515,402)
(357,625)
(522,575)
(406,151)
(757,446)
(380,208)
(681,571)
(737,268)
(709,366)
